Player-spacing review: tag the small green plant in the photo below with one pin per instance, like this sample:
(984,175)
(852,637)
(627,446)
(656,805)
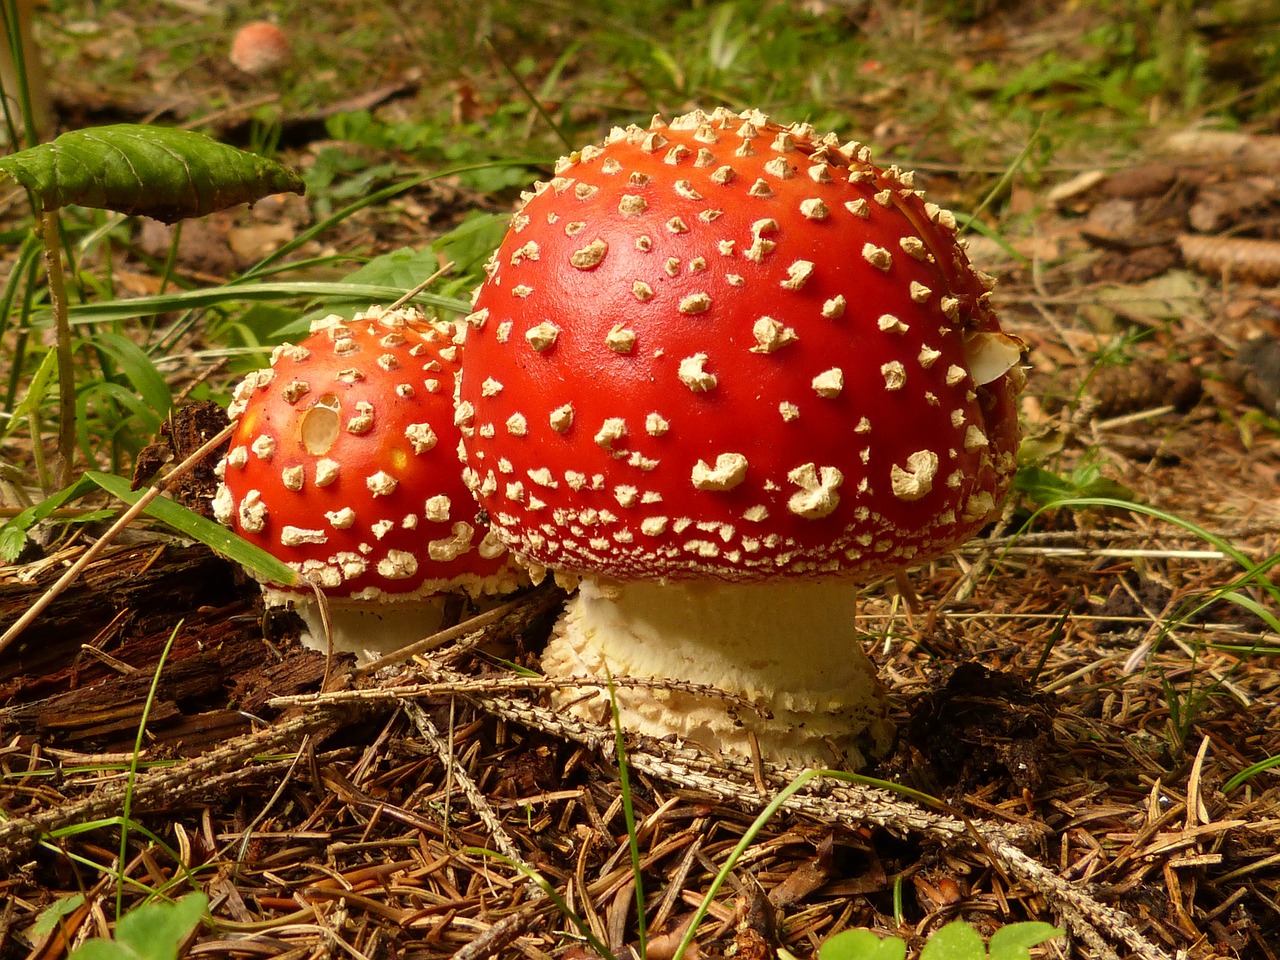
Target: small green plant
(956,941)
(154,931)
(1046,488)
(161,172)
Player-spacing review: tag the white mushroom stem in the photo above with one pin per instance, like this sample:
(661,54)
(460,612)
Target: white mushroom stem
(366,629)
(789,648)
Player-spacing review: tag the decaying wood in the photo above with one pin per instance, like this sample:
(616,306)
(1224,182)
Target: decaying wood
(1238,258)
(1249,153)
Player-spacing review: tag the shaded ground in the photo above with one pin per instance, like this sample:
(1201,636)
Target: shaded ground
(1078,697)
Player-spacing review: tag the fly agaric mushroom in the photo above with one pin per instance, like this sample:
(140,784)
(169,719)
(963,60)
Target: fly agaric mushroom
(343,465)
(722,372)
(260,49)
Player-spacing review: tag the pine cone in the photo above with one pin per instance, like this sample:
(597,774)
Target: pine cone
(1143,385)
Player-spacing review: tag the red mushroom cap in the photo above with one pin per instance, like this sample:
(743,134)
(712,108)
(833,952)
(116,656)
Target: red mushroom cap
(724,348)
(344,463)
(260,48)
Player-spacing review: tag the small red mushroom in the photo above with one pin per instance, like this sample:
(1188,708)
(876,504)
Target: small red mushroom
(723,372)
(344,465)
(260,48)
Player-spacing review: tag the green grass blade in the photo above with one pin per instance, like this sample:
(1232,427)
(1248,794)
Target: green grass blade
(193,299)
(215,536)
(132,777)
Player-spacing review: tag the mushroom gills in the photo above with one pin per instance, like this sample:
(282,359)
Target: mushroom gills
(789,649)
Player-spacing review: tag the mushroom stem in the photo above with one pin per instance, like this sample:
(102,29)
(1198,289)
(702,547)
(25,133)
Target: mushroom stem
(367,630)
(789,648)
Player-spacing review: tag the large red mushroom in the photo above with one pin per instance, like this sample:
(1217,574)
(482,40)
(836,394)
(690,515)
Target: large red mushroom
(344,465)
(722,373)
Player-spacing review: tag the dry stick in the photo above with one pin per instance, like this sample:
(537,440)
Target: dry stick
(126,518)
(409,295)
(853,805)
(191,777)
(506,846)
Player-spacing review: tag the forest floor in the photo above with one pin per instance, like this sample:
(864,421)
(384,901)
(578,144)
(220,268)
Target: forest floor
(1088,694)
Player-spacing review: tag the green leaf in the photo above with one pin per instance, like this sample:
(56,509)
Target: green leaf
(153,931)
(158,172)
(469,244)
(139,368)
(104,950)
(861,945)
(215,536)
(52,915)
(404,269)
(956,941)
(13,535)
(37,389)
(156,930)
(1012,942)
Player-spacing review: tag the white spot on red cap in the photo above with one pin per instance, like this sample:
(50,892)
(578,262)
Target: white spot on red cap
(252,512)
(381,483)
(342,519)
(829,383)
(916,479)
(398,565)
(263,446)
(542,336)
(590,256)
(695,303)
(974,438)
(818,495)
(770,335)
(729,471)
(655,424)
(858,208)
(798,274)
(610,432)
(878,257)
(895,375)
(693,376)
(914,248)
(561,418)
(291,536)
(814,209)
(326,471)
(420,436)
